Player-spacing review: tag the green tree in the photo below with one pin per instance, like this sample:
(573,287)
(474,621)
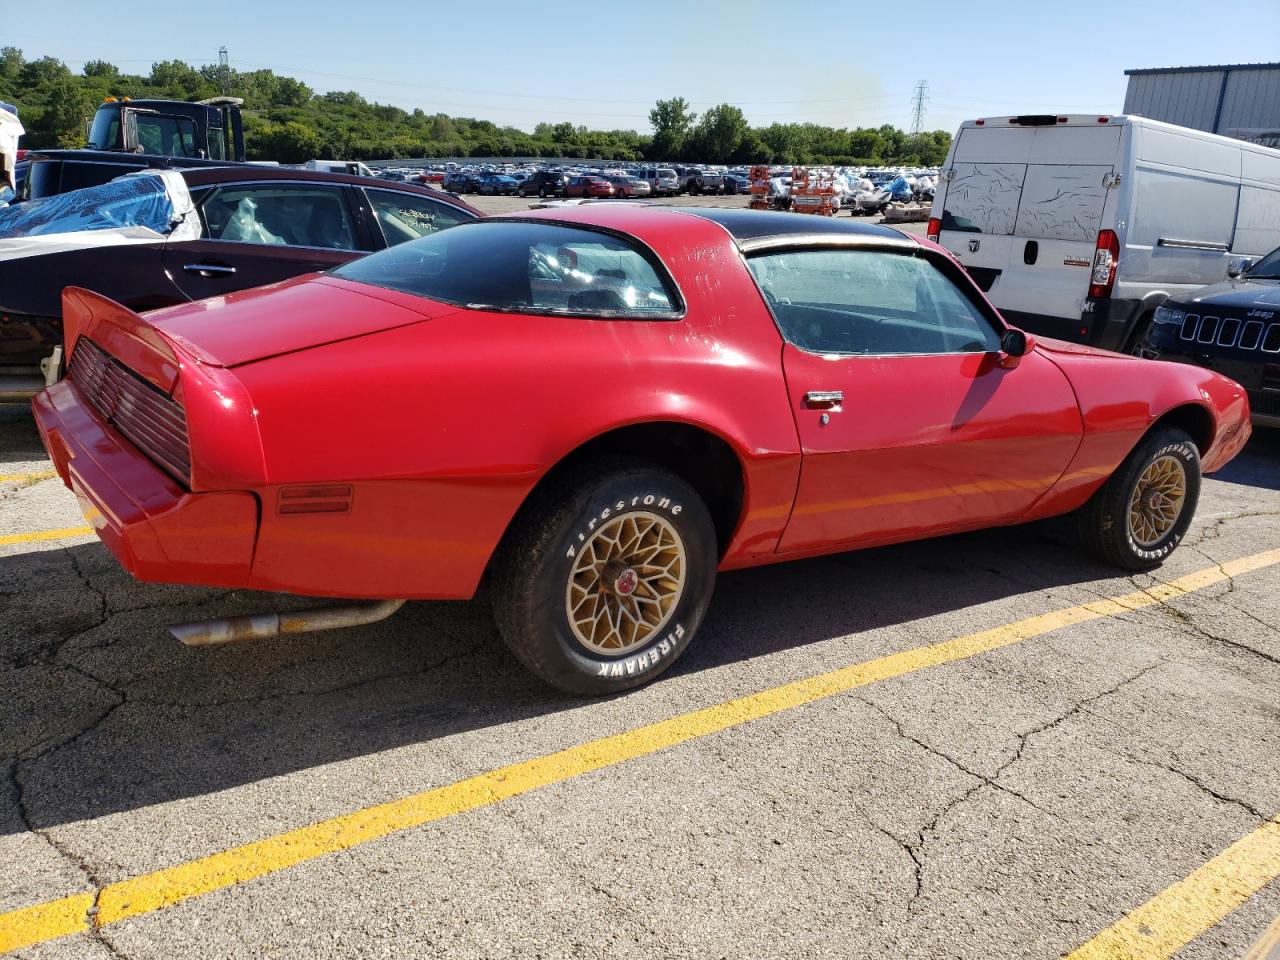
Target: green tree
(718,134)
(671,120)
(291,142)
(64,118)
(101,70)
(11,63)
(179,80)
(42,74)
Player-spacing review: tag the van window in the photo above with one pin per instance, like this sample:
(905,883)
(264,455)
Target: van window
(1174,206)
(1062,202)
(983,197)
(1258,222)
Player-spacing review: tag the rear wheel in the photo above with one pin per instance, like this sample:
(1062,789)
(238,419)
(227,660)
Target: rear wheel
(606,577)
(1140,515)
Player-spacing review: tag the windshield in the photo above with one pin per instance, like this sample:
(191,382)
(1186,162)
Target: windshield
(523,267)
(156,201)
(1268,268)
(105,134)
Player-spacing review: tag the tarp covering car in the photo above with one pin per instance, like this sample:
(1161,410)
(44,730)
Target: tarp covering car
(140,207)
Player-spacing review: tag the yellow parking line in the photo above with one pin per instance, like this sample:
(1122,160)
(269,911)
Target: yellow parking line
(61,534)
(1174,917)
(27,477)
(155,891)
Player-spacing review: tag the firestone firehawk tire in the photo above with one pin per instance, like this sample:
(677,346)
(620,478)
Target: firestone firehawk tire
(1140,515)
(619,542)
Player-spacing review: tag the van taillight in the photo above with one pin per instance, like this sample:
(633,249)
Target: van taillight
(934,229)
(1105,260)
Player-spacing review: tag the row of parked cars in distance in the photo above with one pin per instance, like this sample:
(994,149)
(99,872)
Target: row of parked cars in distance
(656,181)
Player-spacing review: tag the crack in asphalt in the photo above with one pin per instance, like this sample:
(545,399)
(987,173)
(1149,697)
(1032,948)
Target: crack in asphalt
(1213,529)
(916,849)
(988,781)
(1188,625)
(82,864)
(1195,781)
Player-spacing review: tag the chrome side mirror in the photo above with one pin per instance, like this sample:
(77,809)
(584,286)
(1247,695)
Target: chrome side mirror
(1237,267)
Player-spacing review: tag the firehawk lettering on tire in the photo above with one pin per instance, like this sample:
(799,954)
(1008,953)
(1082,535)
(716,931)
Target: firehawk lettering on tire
(597,409)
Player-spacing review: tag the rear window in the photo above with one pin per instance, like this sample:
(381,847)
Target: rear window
(525,267)
(983,197)
(1062,202)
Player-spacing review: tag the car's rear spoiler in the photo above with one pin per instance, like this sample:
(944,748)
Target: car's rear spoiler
(122,333)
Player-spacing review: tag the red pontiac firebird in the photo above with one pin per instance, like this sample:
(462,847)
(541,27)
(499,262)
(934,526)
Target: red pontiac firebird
(599,408)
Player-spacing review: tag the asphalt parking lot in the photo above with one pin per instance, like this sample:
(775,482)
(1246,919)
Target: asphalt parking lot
(983,746)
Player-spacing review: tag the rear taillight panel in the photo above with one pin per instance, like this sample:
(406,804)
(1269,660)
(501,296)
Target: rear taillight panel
(1106,259)
(934,230)
(150,420)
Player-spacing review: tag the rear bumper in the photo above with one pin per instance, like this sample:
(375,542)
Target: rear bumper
(156,529)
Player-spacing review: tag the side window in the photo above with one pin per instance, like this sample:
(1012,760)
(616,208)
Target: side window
(406,216)
(216,149)
(166,135)
(870,303)
(293,215)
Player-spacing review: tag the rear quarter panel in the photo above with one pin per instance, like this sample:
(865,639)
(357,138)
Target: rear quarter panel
(445,426)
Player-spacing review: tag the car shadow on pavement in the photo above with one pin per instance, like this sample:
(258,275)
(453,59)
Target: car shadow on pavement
(105,712)
(1259,465)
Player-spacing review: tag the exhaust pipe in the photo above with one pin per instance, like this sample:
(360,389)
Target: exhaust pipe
(214,633)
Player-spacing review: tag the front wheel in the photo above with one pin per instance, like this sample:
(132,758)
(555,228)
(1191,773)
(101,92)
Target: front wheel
(606,577)
(1140,515)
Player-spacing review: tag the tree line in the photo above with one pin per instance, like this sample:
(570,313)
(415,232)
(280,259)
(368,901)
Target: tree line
(286,120)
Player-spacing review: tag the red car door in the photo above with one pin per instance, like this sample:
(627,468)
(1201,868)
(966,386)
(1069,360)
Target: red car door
(259,233)
(908,423)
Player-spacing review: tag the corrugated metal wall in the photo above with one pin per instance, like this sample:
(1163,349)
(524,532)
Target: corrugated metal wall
(1250,103)
(1187,99)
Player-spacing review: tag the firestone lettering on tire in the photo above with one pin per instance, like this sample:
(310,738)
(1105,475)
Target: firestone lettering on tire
(630,666)
(648,500)
(1174,537)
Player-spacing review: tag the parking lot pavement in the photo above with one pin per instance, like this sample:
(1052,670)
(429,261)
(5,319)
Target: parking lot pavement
(984,746)
(498,205)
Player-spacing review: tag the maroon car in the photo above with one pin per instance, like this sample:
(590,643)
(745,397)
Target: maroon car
(256,225)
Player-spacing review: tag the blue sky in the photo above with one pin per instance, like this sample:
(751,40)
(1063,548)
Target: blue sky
(604,63)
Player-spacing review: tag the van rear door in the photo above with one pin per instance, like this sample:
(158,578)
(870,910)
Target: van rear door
(1033,197)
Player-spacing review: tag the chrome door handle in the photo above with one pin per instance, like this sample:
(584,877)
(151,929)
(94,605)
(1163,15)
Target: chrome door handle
(824,398)
(205,269)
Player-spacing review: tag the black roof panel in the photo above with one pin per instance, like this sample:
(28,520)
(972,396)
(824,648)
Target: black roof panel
(754,224)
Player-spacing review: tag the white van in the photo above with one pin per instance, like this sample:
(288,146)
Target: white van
(1078,227)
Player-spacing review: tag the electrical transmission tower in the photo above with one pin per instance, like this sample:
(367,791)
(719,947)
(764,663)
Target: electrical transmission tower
(224,71)
(918,100)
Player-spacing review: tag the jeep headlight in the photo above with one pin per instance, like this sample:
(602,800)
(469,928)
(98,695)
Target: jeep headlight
(1169,315)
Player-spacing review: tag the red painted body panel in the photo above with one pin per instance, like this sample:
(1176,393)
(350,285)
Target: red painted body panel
(924,444)
(442,420)
(157,530)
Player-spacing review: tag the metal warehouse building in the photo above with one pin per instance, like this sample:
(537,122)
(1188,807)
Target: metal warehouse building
(1237,100)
